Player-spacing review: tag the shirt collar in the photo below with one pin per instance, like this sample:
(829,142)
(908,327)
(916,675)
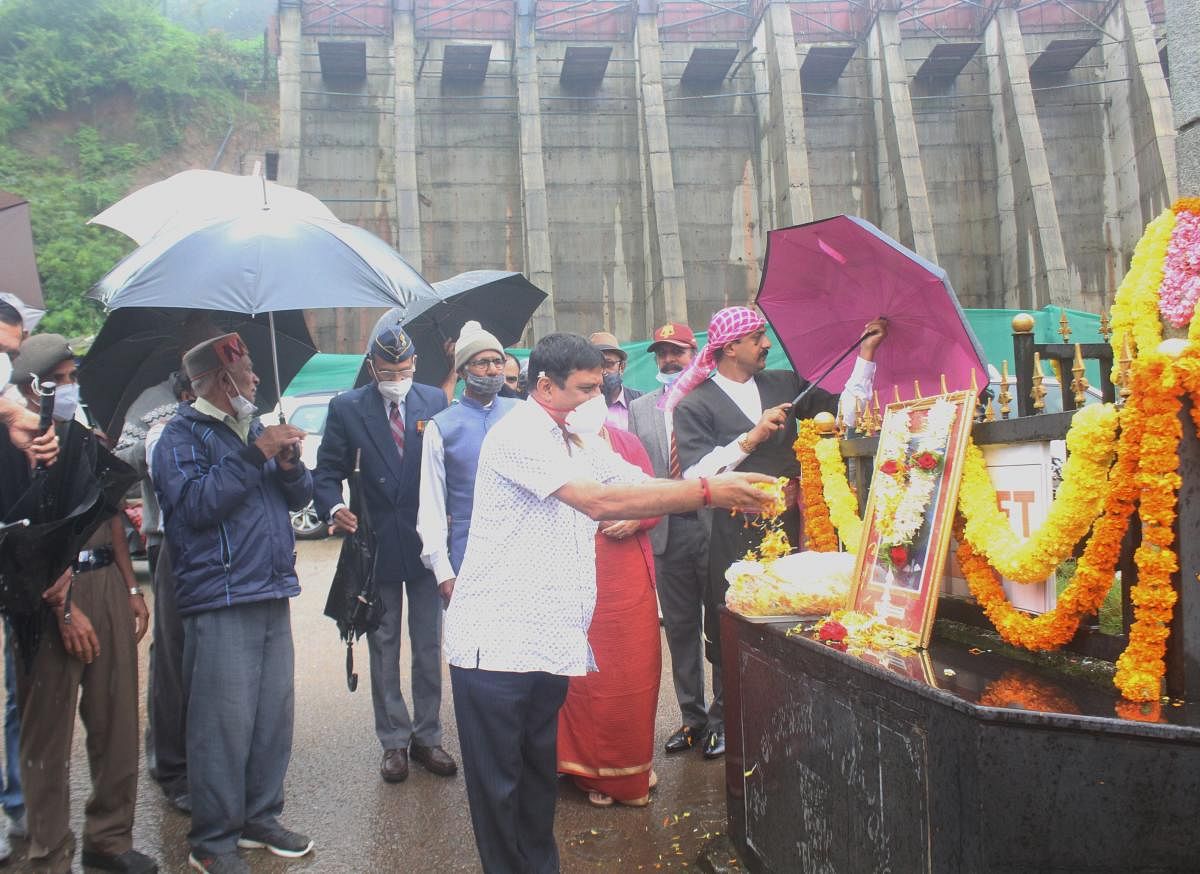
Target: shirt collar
(242,429)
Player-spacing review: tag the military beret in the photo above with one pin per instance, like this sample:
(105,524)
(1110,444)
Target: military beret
(40,354)
(393,345)
(215,354)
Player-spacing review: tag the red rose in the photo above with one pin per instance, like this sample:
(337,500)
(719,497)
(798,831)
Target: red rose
(891,467)
(832,632)
(899,555)
(927,461)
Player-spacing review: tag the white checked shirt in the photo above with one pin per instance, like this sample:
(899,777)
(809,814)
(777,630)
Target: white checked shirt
(525,593)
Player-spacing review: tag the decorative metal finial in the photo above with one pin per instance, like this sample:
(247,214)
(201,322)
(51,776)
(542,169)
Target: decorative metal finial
(1038,392)
(989,415)
(916,389)
(826,424)
(1105,326)
(1124,363)
(1023,323)
(896,392)
(945,391)
(840,425)
(1005,397)
(1064,328)
(1079,384)
(859,424)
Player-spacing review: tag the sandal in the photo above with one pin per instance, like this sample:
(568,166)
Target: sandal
(599,799)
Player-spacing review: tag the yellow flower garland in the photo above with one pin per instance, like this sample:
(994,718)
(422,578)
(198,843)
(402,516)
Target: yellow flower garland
(1091,443)
(818,529)
(1135,307)
(843,505)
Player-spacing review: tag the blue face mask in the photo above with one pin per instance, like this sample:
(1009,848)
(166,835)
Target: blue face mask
(667,379)
(611,383)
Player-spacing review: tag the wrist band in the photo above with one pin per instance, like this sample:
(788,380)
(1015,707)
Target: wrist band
(706,491)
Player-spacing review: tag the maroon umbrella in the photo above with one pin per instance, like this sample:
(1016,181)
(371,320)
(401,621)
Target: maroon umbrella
(823,281)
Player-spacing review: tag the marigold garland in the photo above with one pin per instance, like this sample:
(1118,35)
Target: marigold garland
(842,504)
(819,533)
(1134,313)
(1091,444)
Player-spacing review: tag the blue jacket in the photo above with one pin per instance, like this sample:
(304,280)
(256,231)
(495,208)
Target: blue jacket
(357,422)
(225,510)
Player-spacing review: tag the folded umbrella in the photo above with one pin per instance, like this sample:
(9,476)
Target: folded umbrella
(501,301)
(823,281)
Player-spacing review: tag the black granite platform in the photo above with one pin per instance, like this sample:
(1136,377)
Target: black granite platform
(950,761)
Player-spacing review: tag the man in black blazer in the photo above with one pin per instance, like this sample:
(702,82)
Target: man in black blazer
(617,395)
(384,421)
(740,416)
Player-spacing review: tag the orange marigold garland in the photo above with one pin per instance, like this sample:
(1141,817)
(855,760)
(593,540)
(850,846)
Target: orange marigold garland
(819,534)
(1140,668)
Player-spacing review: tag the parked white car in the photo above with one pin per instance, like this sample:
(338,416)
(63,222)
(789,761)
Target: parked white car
(307,411)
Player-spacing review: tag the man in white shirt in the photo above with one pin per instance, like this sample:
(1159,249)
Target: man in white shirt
(516,627)
(730,413)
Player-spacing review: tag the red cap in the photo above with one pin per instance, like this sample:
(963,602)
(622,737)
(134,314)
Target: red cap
(675,333)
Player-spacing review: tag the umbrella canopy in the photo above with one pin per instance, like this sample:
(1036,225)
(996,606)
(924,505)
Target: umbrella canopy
(198,196)
(65,504)
(18,268)
(261,262)
(823,281)
(138,347)
(500,300)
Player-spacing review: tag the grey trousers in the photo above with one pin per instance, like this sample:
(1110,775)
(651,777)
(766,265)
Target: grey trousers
(238,667)
(393,726)
(166,729)
(682,574)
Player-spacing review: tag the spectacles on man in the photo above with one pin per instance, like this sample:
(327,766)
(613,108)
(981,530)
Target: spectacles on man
(481,365)
(393,375)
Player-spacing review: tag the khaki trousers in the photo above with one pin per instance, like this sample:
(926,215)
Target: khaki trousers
(108,707)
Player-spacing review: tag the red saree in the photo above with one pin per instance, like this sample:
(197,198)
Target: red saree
(606,725)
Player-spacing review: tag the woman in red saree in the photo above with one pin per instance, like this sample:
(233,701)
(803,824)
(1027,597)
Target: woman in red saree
(606,725)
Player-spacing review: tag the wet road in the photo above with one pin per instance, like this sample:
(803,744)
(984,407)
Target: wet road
(359,823)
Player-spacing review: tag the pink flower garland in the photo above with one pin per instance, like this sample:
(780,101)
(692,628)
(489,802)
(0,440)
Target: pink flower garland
(1181,272)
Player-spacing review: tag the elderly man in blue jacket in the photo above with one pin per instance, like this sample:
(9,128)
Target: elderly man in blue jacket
(225,484)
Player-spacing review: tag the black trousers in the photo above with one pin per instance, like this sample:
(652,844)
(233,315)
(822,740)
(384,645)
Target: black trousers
(508,732)
(166,733)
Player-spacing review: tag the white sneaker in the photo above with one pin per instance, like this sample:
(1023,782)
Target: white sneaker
(19,827)
(5,847)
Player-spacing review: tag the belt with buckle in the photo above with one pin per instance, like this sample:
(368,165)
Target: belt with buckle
(94,559)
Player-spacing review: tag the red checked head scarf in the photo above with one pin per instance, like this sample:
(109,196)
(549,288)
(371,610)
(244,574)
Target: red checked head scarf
(728,325)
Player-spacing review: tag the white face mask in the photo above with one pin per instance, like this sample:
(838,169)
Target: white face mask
(66,402)
(587,418)
(243,407)
(394,391)
(668,379)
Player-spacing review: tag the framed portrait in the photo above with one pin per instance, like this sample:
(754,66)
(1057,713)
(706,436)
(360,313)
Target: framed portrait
(910,511)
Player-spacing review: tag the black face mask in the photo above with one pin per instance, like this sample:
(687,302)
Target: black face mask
(611,383)
(488,386)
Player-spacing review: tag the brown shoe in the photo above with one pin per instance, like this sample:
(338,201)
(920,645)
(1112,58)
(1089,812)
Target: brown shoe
(395,766)
(435,759)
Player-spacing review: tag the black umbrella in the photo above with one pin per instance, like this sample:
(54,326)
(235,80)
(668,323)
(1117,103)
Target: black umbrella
(501,301)
(353,600)
(65,504)
(138,347)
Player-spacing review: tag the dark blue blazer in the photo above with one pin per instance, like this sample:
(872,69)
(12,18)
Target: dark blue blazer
(357,421)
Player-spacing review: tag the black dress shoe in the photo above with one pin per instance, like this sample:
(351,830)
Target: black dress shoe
(683,739)
(435,759)
(714,744)
(131,862)
(394,768)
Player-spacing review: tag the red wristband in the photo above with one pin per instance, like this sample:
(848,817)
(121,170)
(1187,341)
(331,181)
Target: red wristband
(706,490)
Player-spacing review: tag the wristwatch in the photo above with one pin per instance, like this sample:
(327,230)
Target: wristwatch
(744,443)
(135,591)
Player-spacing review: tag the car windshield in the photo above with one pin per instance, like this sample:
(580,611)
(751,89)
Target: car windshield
(310,417)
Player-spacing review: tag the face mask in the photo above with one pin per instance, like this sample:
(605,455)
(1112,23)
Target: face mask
(394,391)
(487,386)
(667,379)
(587,418)
(611,384)
(5,368)
(243,407)
(66,401)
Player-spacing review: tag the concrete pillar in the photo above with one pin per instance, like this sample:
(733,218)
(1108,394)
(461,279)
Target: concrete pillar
(404,134)
(1034,259)
(1183,27)
(670,295)
(289,92)
(781,118)
(903,199)
(538,263)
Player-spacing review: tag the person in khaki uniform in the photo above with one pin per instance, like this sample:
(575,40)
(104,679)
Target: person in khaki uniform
(87,657)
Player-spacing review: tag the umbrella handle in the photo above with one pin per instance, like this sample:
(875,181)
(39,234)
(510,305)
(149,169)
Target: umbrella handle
(351,677)
(814,383)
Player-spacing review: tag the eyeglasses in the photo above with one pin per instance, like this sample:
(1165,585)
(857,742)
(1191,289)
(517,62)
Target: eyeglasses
(393,375)
(484,363)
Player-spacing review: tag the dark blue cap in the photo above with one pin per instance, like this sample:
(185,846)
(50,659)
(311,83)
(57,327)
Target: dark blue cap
(393,345)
